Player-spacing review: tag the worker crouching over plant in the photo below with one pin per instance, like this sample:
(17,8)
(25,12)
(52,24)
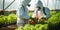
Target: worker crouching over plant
(41,13)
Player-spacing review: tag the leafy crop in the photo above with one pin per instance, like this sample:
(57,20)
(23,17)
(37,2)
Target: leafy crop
(54,22)
(36,27)
(8,19)
(55,19)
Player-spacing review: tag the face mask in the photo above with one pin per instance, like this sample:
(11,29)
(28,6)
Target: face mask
(38,8)
(28,5)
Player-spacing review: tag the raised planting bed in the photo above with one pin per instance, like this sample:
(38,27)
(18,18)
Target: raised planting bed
(10,27)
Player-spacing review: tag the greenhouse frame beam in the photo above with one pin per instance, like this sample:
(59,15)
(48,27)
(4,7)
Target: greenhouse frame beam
(9,4)
(3,7)
(3,4)
(3,11)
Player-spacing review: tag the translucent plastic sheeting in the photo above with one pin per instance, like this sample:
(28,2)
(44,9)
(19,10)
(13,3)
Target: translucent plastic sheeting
(52,4)
(13,6)
(1,4)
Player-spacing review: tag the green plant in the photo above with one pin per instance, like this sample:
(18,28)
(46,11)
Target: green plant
(36,27)
(54,22)
(4,20)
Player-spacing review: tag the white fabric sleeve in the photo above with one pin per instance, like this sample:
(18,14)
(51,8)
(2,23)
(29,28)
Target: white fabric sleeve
(21,13)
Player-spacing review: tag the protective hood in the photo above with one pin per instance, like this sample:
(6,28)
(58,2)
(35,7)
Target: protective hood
(40,4)
(25,2)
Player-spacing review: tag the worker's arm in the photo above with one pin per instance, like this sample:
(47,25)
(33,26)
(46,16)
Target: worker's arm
(47,10)
(20,13)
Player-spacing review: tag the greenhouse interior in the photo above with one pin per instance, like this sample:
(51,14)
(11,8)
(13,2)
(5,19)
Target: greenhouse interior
(43,15)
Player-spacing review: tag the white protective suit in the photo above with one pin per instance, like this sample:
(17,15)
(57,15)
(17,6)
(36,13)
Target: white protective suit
(22,13)
(41,12)
(38,4)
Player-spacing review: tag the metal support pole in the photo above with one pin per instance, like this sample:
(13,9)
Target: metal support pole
(3,7)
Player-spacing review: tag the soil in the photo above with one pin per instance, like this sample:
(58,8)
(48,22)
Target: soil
(10,27)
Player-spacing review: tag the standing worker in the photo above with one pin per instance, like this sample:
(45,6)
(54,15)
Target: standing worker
(22,13)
